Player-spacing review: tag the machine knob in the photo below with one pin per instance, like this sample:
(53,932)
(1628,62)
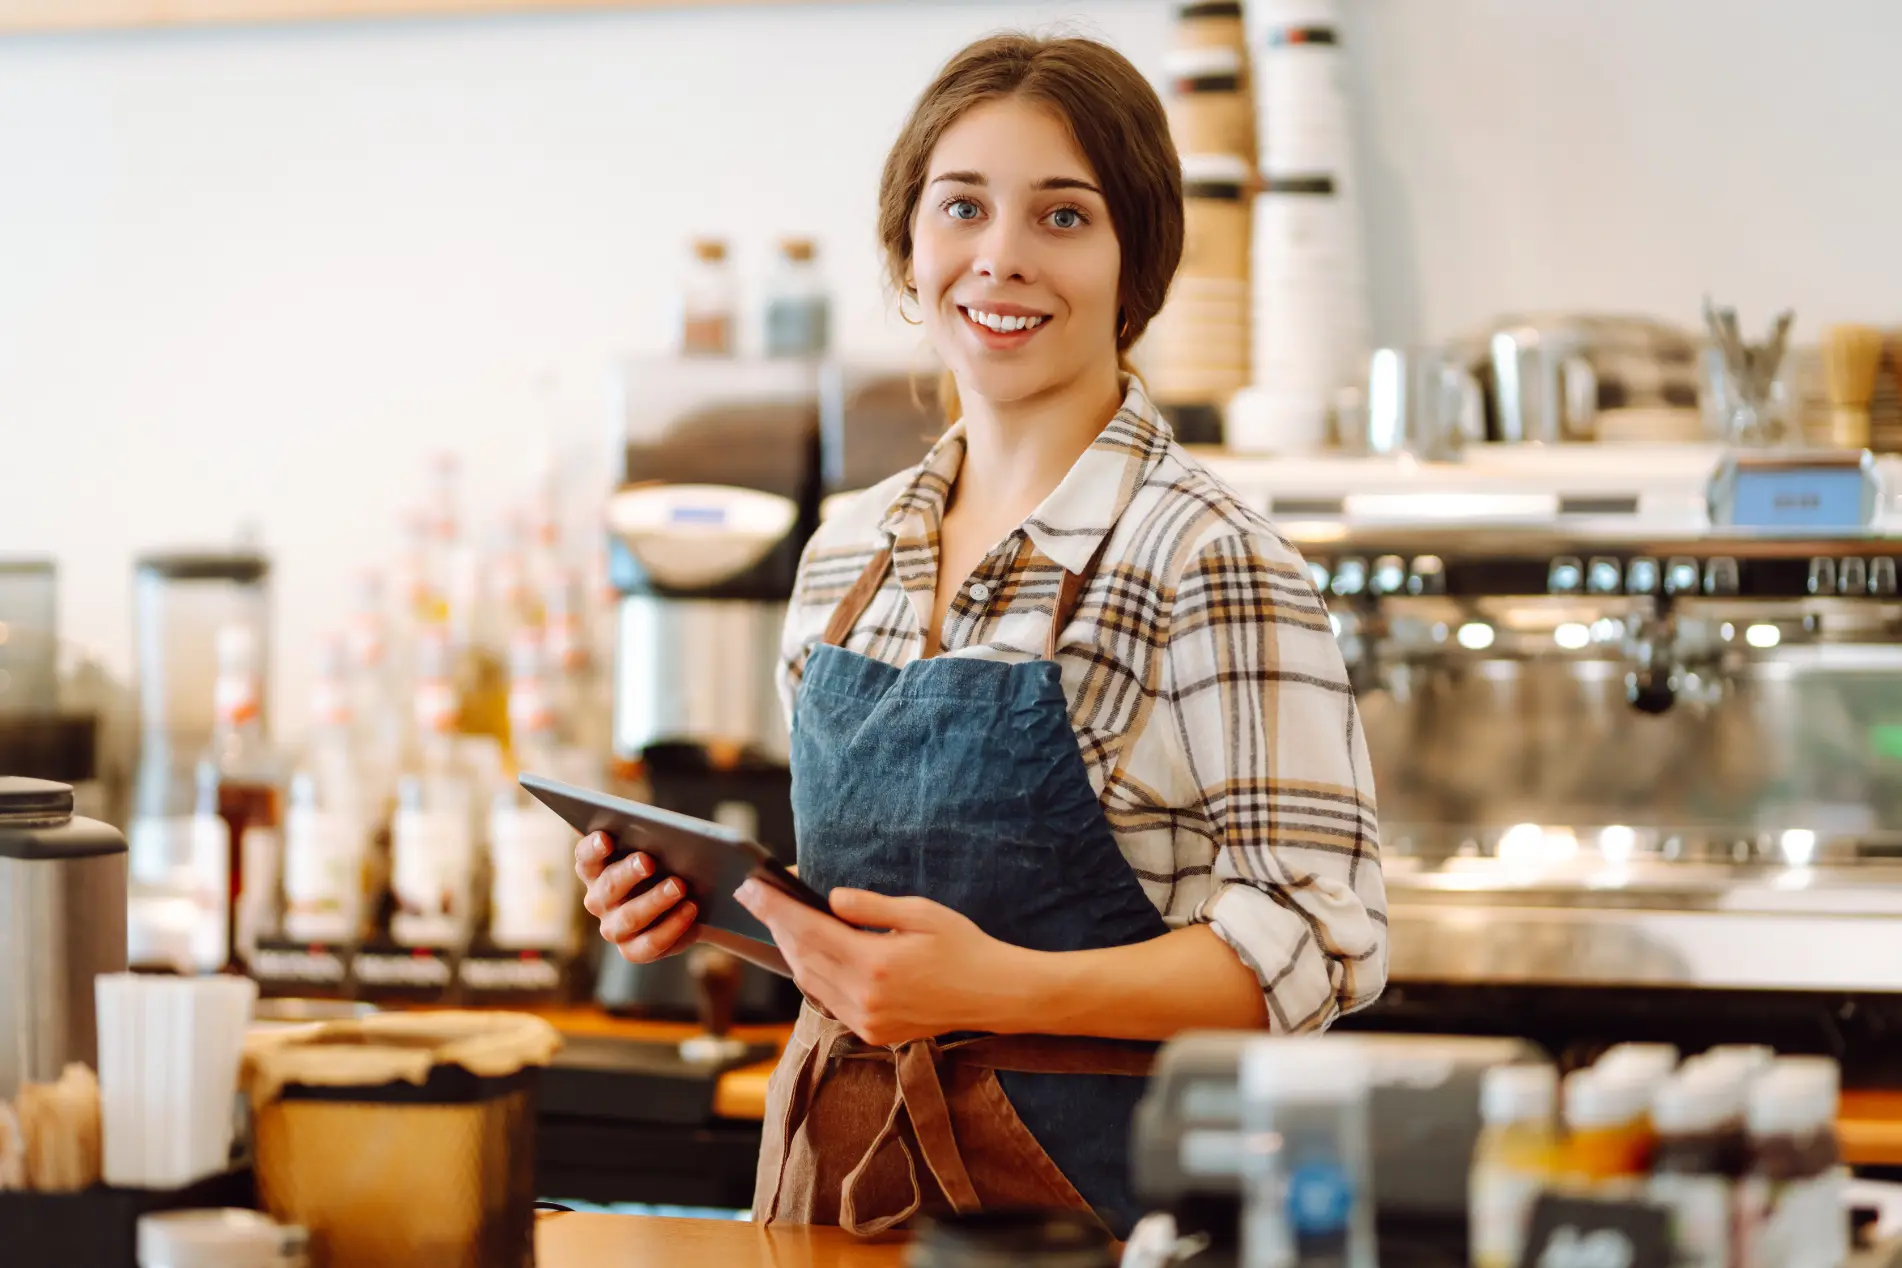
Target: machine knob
(1720,576)
(1651,690)
(1882,575)
(716,979)
(1567,575)
(1852,576)
(1350,576)
(1641,575)
(1603,576)
(1681,576)
(1822,575)
(1427,576)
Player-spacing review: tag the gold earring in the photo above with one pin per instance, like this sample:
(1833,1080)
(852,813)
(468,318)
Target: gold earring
(919,320)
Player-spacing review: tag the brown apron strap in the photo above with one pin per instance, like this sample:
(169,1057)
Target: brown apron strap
(1069,594)
(919,1096)
(1054,1054)
(852,606)
(803,1087)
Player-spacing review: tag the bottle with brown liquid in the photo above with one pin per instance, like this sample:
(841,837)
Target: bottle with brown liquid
(249,785)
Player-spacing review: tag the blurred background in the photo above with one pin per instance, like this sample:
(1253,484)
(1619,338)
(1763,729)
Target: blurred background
(257,273)
(399,396)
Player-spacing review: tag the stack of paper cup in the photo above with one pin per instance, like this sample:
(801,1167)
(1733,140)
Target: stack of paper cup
(1197,348)
(168,1075)
(1310,318)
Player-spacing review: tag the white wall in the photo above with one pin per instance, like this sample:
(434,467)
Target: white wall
(259,274)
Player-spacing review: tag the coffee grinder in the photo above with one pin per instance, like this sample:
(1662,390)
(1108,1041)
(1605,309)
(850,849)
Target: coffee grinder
(719,493)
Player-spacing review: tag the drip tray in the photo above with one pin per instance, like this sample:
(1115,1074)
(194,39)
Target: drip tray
(636,1081)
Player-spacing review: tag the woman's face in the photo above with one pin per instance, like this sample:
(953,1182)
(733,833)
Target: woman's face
(1014,258)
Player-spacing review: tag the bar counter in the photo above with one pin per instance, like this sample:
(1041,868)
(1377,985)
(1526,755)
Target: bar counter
(588,1240)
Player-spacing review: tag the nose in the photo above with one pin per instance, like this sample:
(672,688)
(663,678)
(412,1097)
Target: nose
(1004,252)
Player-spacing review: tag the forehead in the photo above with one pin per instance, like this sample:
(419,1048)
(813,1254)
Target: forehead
(1010,141)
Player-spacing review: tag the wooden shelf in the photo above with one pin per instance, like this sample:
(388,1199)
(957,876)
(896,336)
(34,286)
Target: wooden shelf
(79,15)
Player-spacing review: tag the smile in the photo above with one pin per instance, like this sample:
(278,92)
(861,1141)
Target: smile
(1003,324)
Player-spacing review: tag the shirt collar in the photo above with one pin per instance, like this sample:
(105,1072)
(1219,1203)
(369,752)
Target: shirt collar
(1072,521)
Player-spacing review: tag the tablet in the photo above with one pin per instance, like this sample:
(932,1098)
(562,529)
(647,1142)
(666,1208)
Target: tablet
(712,860)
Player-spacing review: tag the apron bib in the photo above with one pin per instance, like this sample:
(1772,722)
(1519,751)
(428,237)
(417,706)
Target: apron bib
(960,781)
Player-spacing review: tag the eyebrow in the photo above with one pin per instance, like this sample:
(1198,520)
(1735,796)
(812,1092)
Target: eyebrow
(1048,182)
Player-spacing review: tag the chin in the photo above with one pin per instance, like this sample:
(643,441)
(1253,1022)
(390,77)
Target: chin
(1010,384)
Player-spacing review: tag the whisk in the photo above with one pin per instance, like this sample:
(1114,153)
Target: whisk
(1851,355)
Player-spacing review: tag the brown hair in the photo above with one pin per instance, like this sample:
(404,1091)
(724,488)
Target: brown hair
(1117,121)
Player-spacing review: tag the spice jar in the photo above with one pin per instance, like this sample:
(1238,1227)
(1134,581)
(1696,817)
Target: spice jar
(1513,1160)
(1792,1212)
(1700,1156)
(1209,108)
(1608,1150)
(708,302)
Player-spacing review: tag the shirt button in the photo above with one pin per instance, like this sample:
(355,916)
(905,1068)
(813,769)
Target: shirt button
(980,591)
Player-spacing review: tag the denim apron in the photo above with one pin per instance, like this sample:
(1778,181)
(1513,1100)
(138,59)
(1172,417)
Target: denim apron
(961,781)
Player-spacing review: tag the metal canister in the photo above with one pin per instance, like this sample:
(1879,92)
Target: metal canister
(62,923)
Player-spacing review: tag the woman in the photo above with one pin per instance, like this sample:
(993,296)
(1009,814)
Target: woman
(1069,726)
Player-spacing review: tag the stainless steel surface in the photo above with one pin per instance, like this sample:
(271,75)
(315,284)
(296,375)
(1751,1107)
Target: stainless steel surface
(62,922)
(1662,761)
(1546,389)
(698,671)
(1421,402)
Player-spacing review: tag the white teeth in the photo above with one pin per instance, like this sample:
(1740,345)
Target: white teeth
(1004,325)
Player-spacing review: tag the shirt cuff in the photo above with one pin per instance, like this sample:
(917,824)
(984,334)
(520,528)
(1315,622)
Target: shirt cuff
(1304,986)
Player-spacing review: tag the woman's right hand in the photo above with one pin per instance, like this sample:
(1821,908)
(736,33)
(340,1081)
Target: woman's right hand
(643,927)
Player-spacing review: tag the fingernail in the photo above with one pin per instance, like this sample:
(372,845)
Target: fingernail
(675,889)
(747,892)
(597,847)
(641,866)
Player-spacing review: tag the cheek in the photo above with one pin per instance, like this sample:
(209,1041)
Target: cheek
(933,263)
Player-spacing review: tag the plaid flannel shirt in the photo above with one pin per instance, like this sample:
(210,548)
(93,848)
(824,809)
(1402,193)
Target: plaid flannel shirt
(1205,688)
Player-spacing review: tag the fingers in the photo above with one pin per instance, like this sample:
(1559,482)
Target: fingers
(613,884)
(672,932)
(641,910)
(869,910)
(591,853)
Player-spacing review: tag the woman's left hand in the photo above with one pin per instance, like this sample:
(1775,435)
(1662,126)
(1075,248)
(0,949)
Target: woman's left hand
(934,971)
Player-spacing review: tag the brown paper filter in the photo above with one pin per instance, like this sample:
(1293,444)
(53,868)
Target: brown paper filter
(402,1139)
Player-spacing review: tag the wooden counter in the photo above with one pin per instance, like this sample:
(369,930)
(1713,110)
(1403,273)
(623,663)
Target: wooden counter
(585,1240)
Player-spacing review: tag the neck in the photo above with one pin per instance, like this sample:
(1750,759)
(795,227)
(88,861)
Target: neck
(1017,452)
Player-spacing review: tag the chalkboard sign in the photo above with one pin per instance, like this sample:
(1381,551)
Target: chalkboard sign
(1568,1232)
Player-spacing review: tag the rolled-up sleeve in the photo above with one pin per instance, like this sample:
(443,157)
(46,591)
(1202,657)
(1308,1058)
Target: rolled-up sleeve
(1266,724)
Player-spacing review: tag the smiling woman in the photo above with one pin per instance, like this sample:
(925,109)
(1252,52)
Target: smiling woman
(1074,756)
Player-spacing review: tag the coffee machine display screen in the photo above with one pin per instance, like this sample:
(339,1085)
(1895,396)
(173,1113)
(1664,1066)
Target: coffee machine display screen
(1831,497)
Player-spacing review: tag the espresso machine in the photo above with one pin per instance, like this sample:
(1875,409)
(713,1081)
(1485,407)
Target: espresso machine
(1635,718)
(719,492)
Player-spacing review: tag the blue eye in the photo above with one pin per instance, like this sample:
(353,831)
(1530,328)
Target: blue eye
(958,208)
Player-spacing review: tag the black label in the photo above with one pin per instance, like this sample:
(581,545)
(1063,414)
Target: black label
(1569,1232)
(282,967)
(490,976)
(412,974)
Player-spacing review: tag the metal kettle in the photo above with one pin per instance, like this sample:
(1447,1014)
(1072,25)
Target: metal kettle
(62,923)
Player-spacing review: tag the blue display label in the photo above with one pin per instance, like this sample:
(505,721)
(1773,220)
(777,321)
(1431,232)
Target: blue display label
(697,514)
(1820,498)
(1320,1198)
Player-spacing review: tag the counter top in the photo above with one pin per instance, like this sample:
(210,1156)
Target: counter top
(740,1093)
(585,1240)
